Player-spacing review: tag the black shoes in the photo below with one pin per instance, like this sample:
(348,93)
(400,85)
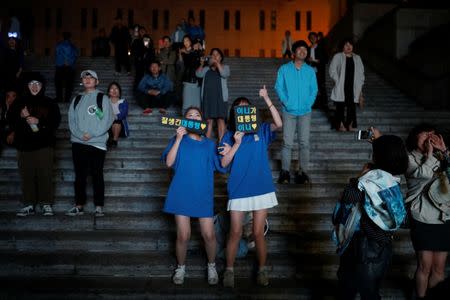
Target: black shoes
(284,177)
(302,178)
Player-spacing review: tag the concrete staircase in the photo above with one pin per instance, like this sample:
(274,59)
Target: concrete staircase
(129,253)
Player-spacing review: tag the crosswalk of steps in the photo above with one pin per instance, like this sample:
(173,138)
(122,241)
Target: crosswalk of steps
(129,253)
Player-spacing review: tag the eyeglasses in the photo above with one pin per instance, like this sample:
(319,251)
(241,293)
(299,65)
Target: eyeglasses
(34,82)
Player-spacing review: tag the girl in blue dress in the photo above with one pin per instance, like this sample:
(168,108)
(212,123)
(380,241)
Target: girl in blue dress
(250,184)
(194,159)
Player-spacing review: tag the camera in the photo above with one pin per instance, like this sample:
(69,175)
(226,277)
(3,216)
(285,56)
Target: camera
(364,134)
(207,59)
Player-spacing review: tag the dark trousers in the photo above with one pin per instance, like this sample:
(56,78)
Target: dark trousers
(348,121)
(322,97)
(362,267)
(122,59)
(64,77)
(160,101)
(36,172)
(88,160)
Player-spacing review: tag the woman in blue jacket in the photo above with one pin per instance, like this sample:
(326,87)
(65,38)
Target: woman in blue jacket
(120,108)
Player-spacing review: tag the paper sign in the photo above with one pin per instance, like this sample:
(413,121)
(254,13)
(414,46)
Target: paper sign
(193,126)
(246,118)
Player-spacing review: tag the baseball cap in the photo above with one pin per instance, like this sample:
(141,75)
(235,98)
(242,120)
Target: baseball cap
(89,73)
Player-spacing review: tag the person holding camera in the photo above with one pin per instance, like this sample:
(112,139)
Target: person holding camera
(427,174)
(366,216)
(189,61)
(214,91)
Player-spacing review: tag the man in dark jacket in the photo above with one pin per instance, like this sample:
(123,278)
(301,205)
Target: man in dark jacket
(120,38)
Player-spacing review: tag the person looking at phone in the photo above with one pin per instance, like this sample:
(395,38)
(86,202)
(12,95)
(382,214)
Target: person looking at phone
(214,91)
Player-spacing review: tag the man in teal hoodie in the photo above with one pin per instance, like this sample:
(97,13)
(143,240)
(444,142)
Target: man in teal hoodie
(296,87)
(89,124)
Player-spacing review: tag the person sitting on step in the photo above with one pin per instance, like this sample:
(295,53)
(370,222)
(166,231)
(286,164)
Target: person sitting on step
(120,109)
(155,90)
(250,184)
(191,193)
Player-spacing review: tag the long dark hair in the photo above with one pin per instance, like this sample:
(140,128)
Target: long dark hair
(389,154)
(231,122)
(411,140)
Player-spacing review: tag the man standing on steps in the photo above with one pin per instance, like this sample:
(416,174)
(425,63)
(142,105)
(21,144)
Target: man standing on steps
(296,87)
(66,57)
(90,117)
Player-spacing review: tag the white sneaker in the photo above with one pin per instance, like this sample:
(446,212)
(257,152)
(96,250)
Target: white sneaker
(178,277)
(48,210)
(228,279)
(213,277)
(26,211)
(75,211)
(99,211)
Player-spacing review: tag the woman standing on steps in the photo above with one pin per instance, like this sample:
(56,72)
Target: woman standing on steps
(191,193)
(429,161)
(120,110)
(250,184)
(347,72)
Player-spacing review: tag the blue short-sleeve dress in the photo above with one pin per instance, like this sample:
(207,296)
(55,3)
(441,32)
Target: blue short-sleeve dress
(191,192)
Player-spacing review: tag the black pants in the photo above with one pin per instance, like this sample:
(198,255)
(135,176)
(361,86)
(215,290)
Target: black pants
(122,59)
(88,159)
(64,77)
(350,120)
(322,97)
(160,101)
(362,267)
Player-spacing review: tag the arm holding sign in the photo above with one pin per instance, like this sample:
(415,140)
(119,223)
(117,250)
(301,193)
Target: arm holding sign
(228,157)
(277,122)
(172,155)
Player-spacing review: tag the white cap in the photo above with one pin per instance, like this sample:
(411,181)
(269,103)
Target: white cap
(89,73)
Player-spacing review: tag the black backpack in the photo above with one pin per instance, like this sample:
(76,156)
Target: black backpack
(99,101)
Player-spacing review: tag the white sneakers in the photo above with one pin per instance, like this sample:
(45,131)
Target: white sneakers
(180,272)
(29,210)
(178,277)
(213,277)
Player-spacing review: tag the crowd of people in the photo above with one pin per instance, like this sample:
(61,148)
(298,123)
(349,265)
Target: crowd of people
(369,211)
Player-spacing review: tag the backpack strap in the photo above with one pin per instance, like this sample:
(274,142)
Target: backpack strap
(99,101)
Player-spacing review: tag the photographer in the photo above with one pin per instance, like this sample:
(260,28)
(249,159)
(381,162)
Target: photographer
(214,91)
(369,211)
(429,222)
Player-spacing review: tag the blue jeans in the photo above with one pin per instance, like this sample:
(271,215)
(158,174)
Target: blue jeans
(302,125)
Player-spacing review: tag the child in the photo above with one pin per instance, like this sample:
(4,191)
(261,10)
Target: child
(250,185)
(194,160)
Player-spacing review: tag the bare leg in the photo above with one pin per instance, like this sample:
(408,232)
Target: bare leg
(437,269)
(210,128)
(259,220)
(116,128)
(183,236)
(424,263)
(221,128)
(235,236)
(209,237)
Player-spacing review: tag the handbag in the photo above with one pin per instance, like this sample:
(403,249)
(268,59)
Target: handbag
(439,194)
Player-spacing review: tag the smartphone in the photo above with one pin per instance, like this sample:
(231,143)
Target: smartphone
(365,134)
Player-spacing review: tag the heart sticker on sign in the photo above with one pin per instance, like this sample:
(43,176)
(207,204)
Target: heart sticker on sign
(246,118)
(193,126)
